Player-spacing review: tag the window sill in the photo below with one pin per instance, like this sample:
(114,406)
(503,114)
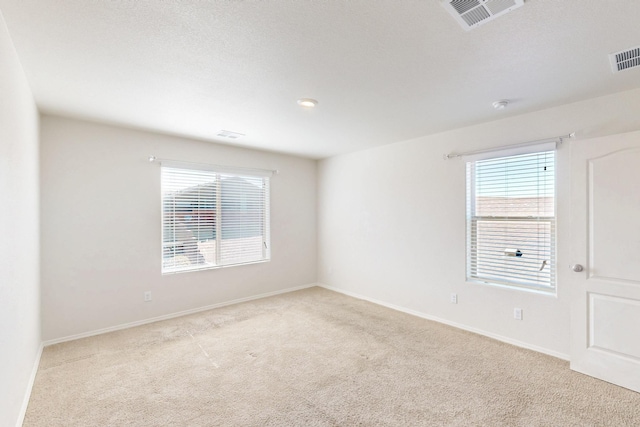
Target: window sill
(169,272)
(551,292)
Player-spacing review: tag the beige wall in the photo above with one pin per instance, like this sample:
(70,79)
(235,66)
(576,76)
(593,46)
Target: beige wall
(19,231)
(101,246)
(391,223)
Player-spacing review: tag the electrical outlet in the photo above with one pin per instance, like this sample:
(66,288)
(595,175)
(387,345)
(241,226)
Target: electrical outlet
(454,298)
(147,296)
(517,313)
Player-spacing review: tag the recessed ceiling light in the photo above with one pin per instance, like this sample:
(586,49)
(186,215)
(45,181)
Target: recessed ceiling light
(307,102)
(501,105)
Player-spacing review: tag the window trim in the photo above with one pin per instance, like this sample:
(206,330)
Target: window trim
(219,172)
(472,218)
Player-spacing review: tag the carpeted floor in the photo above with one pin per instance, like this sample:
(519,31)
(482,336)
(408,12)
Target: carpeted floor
(313,358)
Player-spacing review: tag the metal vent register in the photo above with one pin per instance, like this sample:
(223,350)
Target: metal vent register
(473,13)
(625,59)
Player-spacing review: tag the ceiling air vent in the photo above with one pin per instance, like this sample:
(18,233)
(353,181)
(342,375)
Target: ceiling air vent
(473,13)
(625,59)
(229,134)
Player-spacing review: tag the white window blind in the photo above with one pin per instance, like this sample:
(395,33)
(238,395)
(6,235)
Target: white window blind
(511,220)
(213,219)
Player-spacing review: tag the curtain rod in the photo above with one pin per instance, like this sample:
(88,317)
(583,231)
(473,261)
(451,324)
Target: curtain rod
(522,144)
(154,159)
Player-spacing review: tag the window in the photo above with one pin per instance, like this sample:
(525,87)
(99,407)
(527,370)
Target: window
(213,218)
(511,220)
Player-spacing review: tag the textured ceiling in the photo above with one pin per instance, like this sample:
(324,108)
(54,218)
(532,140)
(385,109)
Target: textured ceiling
(382,70)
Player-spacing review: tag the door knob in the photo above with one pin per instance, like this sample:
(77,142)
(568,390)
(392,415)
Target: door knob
(577,268)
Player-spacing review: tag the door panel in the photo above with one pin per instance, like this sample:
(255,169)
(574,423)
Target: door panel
(614,194)
(609,320)
(605,239)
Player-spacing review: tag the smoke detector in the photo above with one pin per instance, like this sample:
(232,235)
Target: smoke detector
(501,104)
(228,134)
(625,59)
(473,13)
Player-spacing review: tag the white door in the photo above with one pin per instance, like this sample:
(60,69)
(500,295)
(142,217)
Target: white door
(605,318)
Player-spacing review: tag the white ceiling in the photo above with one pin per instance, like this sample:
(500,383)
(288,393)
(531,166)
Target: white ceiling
(382,70)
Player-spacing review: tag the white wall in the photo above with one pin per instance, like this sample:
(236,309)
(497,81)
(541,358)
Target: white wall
(19,231)
(101,242)
(391,222)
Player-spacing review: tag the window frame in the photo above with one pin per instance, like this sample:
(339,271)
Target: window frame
(218,174)
(472,221)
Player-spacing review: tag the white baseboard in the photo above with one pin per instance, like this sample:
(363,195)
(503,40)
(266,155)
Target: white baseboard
(27,393)
(172,315)
(450,323)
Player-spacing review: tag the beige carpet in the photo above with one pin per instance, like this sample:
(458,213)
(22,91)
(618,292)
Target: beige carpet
(313,358)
